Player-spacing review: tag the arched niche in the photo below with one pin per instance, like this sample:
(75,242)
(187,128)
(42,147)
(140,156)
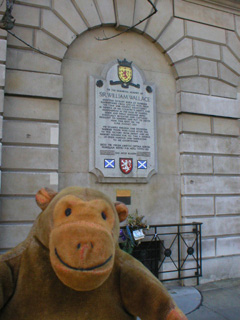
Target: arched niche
(158,200)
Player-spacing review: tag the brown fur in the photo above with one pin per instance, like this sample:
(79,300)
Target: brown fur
(71,268)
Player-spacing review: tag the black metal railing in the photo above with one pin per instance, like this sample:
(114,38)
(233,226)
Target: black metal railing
(171,251)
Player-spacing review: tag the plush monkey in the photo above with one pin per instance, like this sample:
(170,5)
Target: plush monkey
(70,267)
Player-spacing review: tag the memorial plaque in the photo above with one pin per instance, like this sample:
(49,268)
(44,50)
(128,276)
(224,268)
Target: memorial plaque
(122,125)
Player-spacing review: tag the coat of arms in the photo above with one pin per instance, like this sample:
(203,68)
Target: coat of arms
(125,75)
(126,165)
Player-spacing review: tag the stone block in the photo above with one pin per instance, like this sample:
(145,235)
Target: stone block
(208,68)
(194,123)
(71,149)
(230,60)
(167,139)
(209,144)
(49,45)
(227,75)
(183,50)
(205,32)
(206,50)
(203,14)
(34,84)
(142,10)
(1,127)
(228,205)
(3,50)
(203,185)
(197,206)
(233,42)
(228,246)
(226,126)
(25,34)
(32,61)
(185,68)
(53,25)
(30,132)
(39,3)
(31,108)
(88,9)
(27,183)
(160,19)
(124,12)
(193,84)
(26,16)
(1,101)
(220,268)
(208,248)
(197,103)
(222,89)
(196,164)
(172,34)
(237,21)
(68,179)
(2,74)
(31,158)
(106,11)
(68,13)
(226,165)
(19,209)
(19,231)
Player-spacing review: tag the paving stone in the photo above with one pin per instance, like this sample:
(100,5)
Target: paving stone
(172,34)
(53,25)
(205,32)
(34,84)
(88,9)
(67,12)
(31,108)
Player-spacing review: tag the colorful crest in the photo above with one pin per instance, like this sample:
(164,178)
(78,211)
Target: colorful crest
(125,72)
(126,165)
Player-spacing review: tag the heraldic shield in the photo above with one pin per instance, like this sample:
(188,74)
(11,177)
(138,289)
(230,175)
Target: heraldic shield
(126,165)
(125,72)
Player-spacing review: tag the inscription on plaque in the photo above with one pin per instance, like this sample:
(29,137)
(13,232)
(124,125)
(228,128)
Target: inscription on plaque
(122,125)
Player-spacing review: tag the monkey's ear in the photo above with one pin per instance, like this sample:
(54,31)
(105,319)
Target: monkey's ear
(122,211)
(44,196)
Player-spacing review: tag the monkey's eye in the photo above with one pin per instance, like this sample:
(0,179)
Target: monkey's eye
(68,211)
(104,216)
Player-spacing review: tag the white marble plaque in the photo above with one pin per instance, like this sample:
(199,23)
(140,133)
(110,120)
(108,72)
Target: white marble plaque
(122,125)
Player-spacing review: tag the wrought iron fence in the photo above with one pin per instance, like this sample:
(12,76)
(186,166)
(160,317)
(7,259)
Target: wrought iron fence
(171,251)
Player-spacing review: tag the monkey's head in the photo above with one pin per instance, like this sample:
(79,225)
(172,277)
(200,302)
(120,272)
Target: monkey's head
(80,227)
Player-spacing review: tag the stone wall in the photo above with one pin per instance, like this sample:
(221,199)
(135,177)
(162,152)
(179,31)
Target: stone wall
(200,40)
